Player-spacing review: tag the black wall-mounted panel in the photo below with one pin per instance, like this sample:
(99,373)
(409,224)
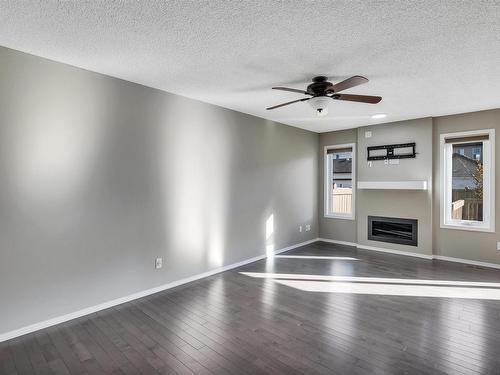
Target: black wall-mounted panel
(391,151)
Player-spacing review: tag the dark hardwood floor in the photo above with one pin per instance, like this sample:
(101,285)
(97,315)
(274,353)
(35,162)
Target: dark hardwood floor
(375,313)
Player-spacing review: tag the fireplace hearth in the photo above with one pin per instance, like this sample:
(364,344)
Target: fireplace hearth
(393,230)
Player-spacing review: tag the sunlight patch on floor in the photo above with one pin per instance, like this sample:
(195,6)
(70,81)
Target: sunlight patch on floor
(314,257)
(384,286)
(393,289)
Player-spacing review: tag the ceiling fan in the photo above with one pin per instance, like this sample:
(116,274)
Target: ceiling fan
(320,91)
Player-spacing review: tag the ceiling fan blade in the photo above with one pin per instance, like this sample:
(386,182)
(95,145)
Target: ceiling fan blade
(283,104)
(348,83)
(358,98)
(291,90)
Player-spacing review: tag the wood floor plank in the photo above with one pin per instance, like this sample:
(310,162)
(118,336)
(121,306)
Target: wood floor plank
(66,353)
(144,360)
(36,357)
(20,356)
(7,365)
(112,352)
(234,323)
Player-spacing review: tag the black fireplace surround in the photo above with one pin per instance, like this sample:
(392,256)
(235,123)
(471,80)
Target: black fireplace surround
(393,230)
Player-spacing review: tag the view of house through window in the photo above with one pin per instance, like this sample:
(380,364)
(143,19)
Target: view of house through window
(468,166)
(467,181)
(339,183)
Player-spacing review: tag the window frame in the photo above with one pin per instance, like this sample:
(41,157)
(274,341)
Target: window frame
(446,150)
(326,183)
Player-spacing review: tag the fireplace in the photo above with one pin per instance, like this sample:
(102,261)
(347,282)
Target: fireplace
(393,230)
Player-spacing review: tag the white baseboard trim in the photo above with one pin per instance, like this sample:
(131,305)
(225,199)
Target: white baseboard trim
(467,261)
(345,243)
(383,250)
(412,254)
(398,252)
(105,305)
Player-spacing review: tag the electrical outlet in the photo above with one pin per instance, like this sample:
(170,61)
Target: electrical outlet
(368,134)
(300,228)
(370,164)
(308,228)
(386,161)
(498,245)
(158,263)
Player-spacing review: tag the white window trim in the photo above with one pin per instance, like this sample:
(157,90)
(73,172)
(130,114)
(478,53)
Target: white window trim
(488,209)
(326,200)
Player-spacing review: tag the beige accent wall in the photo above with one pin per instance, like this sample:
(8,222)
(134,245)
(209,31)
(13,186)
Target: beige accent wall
(409,204)
(478,246)
(337,229)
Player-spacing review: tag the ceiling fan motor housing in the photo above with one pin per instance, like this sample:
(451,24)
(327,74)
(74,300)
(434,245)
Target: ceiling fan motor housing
(319,86)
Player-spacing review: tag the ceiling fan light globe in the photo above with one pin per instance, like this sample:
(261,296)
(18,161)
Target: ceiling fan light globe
(320,104)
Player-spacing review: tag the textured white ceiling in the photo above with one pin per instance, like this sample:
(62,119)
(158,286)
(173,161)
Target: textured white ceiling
(425,58)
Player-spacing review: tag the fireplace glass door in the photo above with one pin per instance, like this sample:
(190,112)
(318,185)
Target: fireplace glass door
(392,230)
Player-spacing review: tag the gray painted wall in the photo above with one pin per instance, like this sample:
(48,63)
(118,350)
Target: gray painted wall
(405,204)
(330,228)
(100,176)
(478,246)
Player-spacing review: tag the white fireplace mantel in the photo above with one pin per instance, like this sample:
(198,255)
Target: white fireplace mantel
(393,185)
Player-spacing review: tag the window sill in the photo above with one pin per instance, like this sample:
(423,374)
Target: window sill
(468,227)
(333,216)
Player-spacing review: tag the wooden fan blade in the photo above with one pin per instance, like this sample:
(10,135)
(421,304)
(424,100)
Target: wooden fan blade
(283,104)
(348,83)
(292,90)
(358,98)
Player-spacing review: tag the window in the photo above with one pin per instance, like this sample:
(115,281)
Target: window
(468,181)
(340,181)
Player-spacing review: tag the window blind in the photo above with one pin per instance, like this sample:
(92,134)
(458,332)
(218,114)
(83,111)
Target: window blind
(338,150)
(475,138)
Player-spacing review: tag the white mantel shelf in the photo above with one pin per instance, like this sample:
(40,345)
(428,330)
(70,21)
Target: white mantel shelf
(393,185)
